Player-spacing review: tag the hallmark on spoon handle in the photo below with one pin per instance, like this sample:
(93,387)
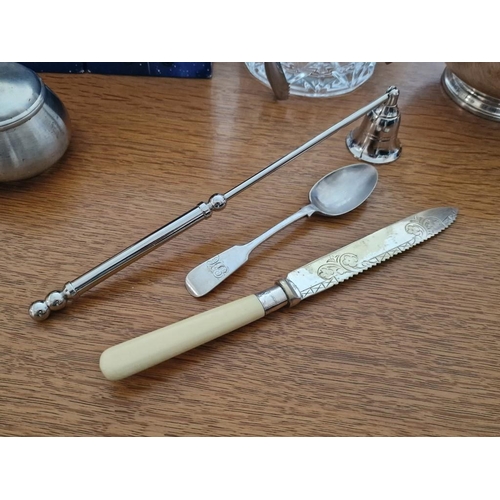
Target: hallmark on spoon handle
(209,274)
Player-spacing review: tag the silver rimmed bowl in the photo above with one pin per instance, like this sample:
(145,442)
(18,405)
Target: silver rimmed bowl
(474,86)
(35,129)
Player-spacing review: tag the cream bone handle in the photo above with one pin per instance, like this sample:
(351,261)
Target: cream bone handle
(140,353)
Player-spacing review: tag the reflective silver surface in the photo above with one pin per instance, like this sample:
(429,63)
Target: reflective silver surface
(469,98)
(335,194)
(277,79)
(21,94)
(35,128)
(40,310)
(376,139)
(272,299)
(390,94)
(367,252)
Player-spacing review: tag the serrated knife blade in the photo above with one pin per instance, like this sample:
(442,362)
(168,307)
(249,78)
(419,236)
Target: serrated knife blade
(338,266)
(143,352)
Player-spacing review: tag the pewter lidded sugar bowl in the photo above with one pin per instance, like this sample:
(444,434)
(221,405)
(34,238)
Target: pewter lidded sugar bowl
(35,128)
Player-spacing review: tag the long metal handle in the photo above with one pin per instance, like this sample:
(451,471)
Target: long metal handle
(56,300)
(131,254)
(309,144)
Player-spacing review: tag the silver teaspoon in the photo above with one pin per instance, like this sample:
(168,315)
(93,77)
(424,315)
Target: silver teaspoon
(335,194)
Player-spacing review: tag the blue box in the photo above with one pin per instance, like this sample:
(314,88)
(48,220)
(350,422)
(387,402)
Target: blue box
(56,67)
(167,69)
(181,69)
(119,68)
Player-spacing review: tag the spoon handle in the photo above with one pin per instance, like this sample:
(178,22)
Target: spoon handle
(308,210)
(209,274)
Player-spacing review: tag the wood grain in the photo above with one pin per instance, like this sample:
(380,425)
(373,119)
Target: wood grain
(411,347)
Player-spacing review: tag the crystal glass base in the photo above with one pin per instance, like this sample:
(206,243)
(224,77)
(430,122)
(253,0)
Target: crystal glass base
(469,98)
(319,79)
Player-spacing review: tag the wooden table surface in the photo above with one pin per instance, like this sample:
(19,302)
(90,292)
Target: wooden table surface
(411,347)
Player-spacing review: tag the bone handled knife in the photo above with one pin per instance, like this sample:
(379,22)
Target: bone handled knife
(140,353)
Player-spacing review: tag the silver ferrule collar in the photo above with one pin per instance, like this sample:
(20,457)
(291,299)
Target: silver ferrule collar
(69,291)
(291,291)
(280,295)
(272,299)
(205,209)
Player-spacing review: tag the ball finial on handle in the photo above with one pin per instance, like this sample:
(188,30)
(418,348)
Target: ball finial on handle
(40,310)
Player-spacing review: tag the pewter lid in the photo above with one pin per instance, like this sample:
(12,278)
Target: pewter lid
(21,94)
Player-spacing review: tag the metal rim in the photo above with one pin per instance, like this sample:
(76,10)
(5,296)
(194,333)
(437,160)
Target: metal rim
(28,113)
(469,98)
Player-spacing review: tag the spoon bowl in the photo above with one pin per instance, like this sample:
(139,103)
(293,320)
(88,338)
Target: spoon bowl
(335,194)
(343,189)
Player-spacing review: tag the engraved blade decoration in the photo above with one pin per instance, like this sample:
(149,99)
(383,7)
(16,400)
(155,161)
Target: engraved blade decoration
(369,251)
